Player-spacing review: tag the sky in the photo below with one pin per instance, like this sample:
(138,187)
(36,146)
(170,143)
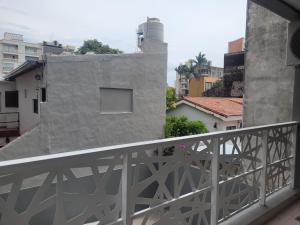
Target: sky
(191,26)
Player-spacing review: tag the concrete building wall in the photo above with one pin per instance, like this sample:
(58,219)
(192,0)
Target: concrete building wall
(194,114)
(71,119)
(28,89)
(269,82)
(77,104)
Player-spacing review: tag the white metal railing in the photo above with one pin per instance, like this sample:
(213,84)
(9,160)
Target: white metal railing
(200,179)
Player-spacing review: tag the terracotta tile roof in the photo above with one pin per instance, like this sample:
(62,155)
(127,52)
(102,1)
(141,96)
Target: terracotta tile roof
(223,106)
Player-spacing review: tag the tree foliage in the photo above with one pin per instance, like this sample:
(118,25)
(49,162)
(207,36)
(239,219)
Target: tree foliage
(97,47)
(189,68)
(181,126)
(171,98)
(218,84)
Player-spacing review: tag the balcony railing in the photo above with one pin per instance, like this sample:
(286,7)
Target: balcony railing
(201,179)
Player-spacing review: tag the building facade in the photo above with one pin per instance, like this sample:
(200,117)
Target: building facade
(88,101)
(199,85)
(189,85)
(14,51)
(234,66)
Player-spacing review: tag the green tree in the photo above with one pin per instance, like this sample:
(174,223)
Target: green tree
(181,126)
(97,47)
(171,98)
(218,84)
(199,62)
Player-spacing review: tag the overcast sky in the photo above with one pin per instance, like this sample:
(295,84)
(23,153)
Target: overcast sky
(191,26)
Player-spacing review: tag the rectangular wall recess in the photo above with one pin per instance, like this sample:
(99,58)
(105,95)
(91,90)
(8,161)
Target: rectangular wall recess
(116,100)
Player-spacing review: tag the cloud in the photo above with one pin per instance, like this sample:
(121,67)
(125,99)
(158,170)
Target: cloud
(13,10)
(191,26)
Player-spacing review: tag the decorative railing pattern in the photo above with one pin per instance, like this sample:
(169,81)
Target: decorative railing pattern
(195,180)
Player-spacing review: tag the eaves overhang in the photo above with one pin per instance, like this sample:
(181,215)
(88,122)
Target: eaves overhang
(24,68)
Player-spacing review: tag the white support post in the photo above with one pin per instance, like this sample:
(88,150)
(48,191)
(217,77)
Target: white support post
(126,174)
(293,153)
(214,216)
(263,177)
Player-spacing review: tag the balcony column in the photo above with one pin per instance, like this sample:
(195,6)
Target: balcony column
(296,117)
(215,182)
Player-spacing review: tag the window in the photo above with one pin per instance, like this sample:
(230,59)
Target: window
(7,67)
(231,128)
(25,93)
(208,85)
(116,100)
(35,106)
(31,58)
(10,57)
(11,99)
(30,50)
(10,48)
(44,95)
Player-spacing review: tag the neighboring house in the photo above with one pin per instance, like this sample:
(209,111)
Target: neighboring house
(68,103)
(14,51)
(217,113)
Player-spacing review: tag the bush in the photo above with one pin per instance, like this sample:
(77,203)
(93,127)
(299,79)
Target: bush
(181,126)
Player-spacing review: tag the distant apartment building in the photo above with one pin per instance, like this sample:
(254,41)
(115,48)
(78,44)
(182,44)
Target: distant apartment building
(55,48)
(191,86)
(234,69)
(236,45)
(181,85)
(14,51)
(70,102)
(199,85)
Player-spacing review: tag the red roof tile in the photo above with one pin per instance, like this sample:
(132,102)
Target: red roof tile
(223,106)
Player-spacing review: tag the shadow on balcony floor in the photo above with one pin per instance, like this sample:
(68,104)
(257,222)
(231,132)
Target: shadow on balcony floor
(288,216)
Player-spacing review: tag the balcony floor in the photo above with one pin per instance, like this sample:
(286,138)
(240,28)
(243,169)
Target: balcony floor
(288,216)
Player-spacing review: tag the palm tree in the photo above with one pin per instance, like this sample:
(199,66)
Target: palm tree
(200,61)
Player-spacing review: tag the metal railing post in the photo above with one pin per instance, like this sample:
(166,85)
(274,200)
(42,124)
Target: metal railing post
(293,153)
(263,177)
(126,174)
(214,216)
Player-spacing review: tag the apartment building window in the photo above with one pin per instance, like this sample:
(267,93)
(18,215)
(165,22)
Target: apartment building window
(11,99)
(7,67)
(10,48)
(208,85)
(30,50)
(10,57)
(35,106)
(31,58)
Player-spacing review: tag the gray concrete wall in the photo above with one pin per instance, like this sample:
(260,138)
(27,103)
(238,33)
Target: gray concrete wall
(73,87)
(71,118)
(268,81)
(28,89)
